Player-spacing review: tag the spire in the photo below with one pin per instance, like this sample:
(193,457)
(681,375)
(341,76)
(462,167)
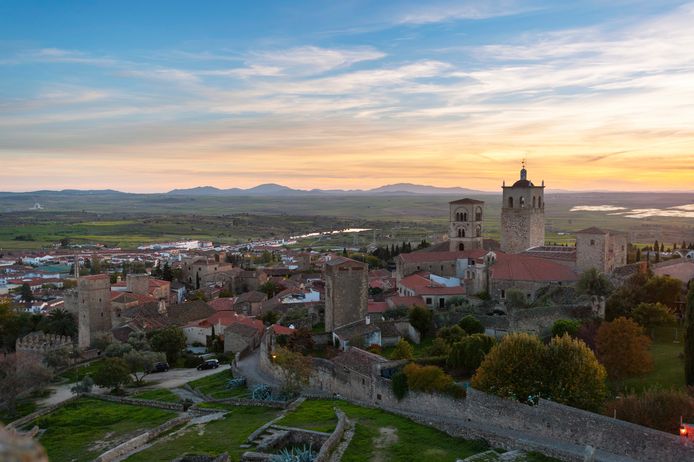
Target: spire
(523,172)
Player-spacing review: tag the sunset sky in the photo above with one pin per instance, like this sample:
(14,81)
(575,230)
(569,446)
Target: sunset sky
(148,96)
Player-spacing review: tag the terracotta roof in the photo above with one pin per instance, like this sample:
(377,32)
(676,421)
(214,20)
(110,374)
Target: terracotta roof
(251,297)
(95,277)
(592,230)
(519,267)
(244,330)
(377,307)
(358,360)
(127,297)
(344,261)
(424,257)
(279,329)
(398,300)
(223,304)
(467,201)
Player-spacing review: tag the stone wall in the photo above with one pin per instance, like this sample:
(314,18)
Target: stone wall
(178,407)
(19,423)
(522,229)
(137,442)
(334,439)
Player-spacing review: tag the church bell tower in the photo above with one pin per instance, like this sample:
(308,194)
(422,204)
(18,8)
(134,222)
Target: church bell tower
(522,215)
(465,229)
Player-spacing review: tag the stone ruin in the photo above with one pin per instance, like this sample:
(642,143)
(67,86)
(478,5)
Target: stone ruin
(39,344)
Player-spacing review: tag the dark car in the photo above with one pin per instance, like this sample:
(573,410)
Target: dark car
(159,367)
(209,364)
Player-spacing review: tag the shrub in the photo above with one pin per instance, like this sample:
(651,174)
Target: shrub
(190,360)
(112,373)
(451,334)
(565,326)
(403,350)
(651,315)
(623,348)
(659,409)
(470,351)
(399,384)
(83,386)
(421,317)
(427,378)
(439,347)
(432,361)
(471,325)
(515,299)
(375,348)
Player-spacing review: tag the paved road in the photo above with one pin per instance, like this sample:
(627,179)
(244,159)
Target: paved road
(249,368)
(174,378)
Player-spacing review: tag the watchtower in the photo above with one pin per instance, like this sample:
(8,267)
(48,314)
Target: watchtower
(465,229)
(522,215)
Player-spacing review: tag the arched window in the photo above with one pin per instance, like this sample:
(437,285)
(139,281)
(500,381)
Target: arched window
(461,246)
(461,232)
(539,202)
(478,214)
(510,202)
(478,231)
(521,202)
(465,216)
(534,201)
(457,216)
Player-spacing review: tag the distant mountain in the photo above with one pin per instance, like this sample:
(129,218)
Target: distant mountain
(420,189)
(270,189)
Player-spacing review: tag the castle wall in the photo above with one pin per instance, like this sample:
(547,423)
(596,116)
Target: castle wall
(346,294)
(94,308)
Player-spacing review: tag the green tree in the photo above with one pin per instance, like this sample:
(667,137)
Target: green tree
(141,363)
(421,318)
(663,289)
(574,375)
(27,295)
(399,385)
(166,273)
(112,373)
(469,353)
(270,289)
(439,347)
(403,350)
(592,282)
(169,341)
(471,325)
(427,379)
(565,326)
(451,334)
(652,315)
(689,338)
(296,369)
(59,322)
(514,368)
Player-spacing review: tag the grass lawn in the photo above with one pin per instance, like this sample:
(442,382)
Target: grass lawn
(214,386)
(419,351)
(383,435)
(84,429)
(668,368)
(216,437)
(78,372)
(159,394)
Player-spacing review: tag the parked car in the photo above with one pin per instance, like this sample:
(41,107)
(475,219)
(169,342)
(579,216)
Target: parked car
(159,367)
(209,364)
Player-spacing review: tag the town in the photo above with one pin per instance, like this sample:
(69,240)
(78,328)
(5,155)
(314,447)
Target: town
(513,342)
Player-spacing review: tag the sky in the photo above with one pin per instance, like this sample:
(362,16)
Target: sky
(148,96)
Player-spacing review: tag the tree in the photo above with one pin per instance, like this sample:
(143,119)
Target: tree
(170,341)
(112,373)
(652,315)
(27,295)
(663,289)
(141,363)
(623,348)
(439,347)
(83,386)
(296,369)
(59,358)
(421,317)
(427,378)
(399,385)
(403,350)
(270,289)
(17,376)
(469,353)
(301,341)
(270,317)
(451,334)
(59,322)
(689,338)
(166,273)
(592,282)
(574,375)
(565,326)
(659,409)
(471,325)
(514,368)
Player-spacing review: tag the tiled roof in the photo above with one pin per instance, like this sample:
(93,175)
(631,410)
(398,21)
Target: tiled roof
(251,297)
(398,300)
(279,329)
(425,257)
(344,261)
(518,267)
(467,201)
(223,304)
(358,360)
(377,307)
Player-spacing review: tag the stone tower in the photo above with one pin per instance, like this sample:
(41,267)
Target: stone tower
(91,304)
(522,215)
(346,292)
(465,229)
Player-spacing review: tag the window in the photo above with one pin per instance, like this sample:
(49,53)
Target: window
(478,214)
(442,303)
(465,216)
(461,232)
(478,231)
(503,294)
(521,202)
(429,301)
(510,202)
(592,242)
(461,246)
(533,201)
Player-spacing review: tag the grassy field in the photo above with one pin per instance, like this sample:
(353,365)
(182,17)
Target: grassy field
(216,437)
(84,429)
(215,386)
(78,372)
(128,220)
(382,435)
(668,367)
(159,394)
(24,406)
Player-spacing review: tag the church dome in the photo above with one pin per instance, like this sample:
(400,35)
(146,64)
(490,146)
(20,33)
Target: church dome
(523,184)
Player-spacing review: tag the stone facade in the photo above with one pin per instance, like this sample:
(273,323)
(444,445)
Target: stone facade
(346,292)
(522,215)
(601,249)
(91,304)
(465,228)
(37,344)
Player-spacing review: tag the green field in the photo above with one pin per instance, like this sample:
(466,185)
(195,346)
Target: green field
(214,438)
(214,386)
(84,429)
(128,220)
(159,394)
(382,435)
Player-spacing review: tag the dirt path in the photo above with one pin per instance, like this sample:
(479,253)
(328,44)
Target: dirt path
(387,437)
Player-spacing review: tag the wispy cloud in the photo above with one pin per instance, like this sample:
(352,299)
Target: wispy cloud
(433,12)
